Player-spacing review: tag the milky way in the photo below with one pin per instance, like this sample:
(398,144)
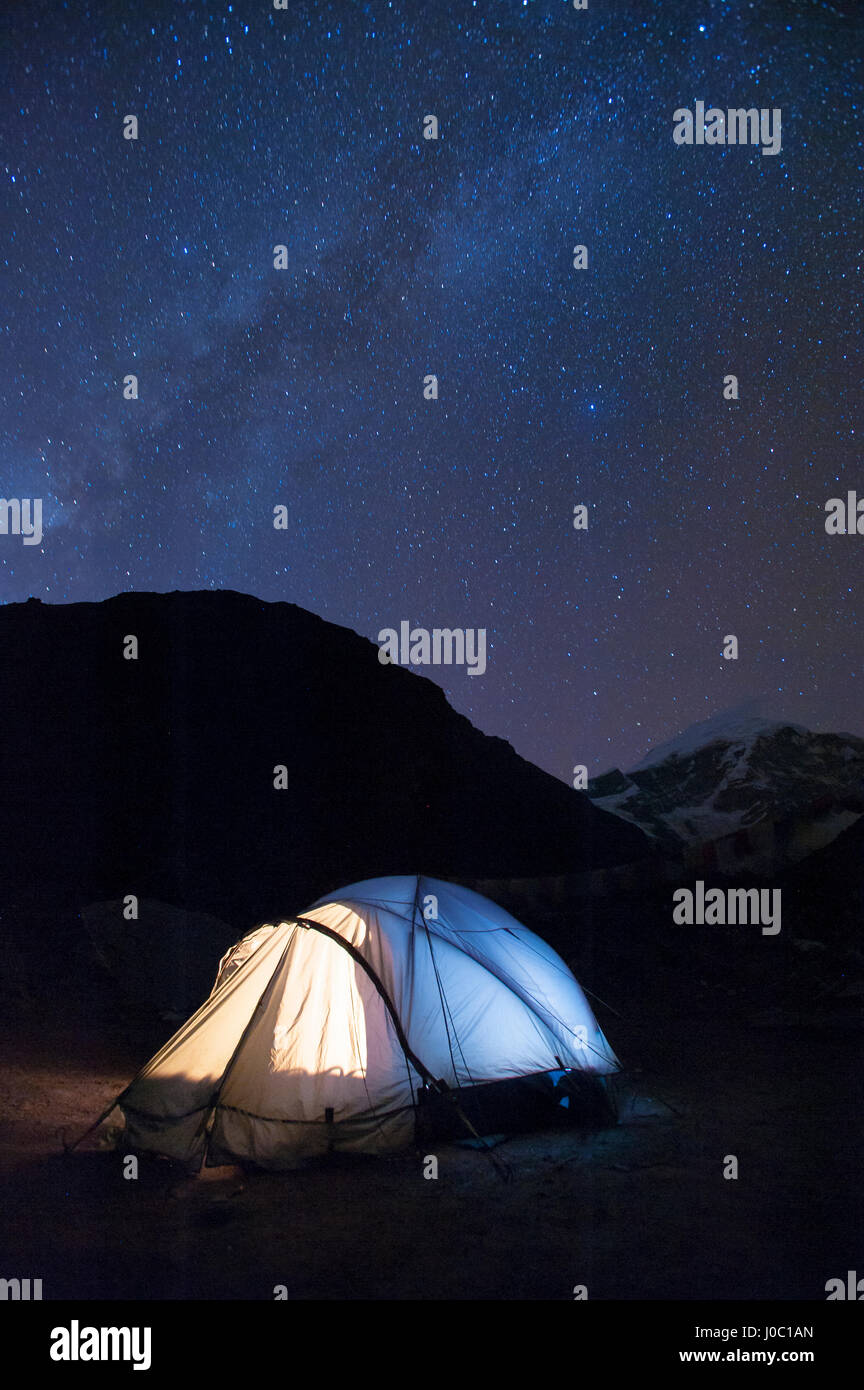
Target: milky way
(408,257)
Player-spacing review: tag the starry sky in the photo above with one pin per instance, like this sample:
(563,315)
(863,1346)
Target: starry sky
(304,387)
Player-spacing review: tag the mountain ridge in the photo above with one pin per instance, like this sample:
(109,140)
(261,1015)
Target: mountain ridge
(156,775)
(734,771)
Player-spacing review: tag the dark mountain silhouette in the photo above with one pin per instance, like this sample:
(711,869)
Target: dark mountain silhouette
(826,890)
(155,776)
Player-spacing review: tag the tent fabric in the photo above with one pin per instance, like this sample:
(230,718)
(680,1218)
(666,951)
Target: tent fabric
(296,1052)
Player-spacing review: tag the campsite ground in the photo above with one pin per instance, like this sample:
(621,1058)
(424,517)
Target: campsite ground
(730,1062)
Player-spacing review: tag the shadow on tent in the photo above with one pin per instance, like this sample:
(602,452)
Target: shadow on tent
(214,1132)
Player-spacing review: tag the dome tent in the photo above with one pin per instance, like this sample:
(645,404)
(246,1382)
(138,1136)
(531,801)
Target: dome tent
(333,1030)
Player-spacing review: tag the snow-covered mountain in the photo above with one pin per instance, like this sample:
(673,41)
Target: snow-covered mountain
(736,770)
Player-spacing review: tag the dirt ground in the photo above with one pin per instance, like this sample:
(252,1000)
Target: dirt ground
(639,1211)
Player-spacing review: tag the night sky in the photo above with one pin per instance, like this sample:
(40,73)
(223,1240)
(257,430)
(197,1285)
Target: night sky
(407,256)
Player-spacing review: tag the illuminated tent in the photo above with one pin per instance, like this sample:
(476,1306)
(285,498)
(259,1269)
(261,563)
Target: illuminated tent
(340,1028)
